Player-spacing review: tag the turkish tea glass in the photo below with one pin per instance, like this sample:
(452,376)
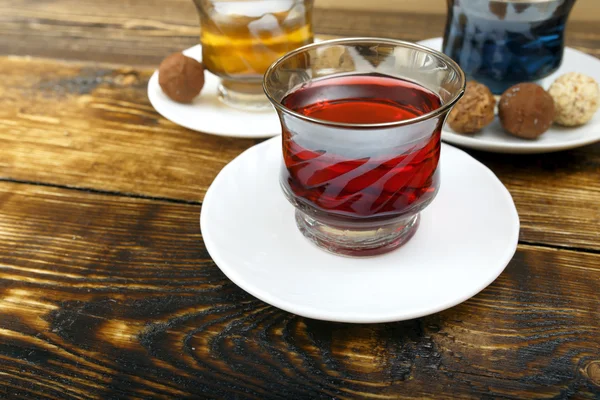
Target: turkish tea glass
(358,187)
(504,42)
(242,38)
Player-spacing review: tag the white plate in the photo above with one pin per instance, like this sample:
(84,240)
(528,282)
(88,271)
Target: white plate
(466,238)
(208,114)
(493,138)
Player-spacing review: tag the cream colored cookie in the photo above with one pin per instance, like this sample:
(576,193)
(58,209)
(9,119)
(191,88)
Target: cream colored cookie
(576,98)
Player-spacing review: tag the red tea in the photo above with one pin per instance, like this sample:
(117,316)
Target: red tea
(347,178)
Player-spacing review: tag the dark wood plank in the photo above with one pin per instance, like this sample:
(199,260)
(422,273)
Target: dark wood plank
(583,35)
(93,126)
(145,31)
(557,194)
(90,126)
(113,297)
(128,32)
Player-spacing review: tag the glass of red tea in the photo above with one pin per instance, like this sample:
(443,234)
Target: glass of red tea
(361,122)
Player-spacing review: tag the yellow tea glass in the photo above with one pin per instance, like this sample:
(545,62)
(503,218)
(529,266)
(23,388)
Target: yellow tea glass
(242,38)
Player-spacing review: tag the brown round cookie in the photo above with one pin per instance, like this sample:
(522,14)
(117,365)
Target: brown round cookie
(474,111)
(526,110)
(181,77)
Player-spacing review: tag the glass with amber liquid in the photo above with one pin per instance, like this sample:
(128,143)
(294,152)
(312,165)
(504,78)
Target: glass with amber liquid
(242,38)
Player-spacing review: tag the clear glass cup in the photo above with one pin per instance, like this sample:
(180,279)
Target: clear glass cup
(358,188)
(242,38)
(504,42)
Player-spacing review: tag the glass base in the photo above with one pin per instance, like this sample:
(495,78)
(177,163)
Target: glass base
(357,241)
(243,95)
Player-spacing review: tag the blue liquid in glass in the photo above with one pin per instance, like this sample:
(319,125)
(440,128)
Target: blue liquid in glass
(502,43)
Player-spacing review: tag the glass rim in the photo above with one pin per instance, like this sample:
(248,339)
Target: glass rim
(399,43)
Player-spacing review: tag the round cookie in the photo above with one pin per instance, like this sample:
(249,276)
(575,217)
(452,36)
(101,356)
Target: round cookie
(181,78)
(474,111)
(576,98)
(526,110)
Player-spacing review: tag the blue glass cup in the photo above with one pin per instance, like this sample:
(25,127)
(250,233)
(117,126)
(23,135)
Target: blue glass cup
(504,42)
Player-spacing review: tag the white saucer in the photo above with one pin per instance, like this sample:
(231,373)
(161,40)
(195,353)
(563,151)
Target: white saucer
(466,238)
(493,138)
(208,114)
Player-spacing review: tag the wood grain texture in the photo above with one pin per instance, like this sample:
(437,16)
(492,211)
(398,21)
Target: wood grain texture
(94,127)
(557,194)
(583,10)
(112,297)
(144,31)
(90,126)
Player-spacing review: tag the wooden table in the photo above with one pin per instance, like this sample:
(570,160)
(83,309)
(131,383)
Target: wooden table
(106,288)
